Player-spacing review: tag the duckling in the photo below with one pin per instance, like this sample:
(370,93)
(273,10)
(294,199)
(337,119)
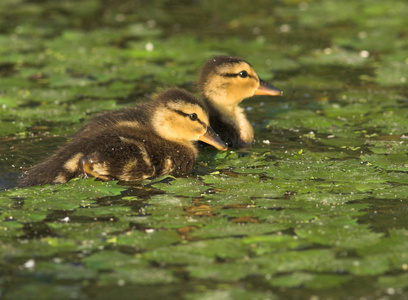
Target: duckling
(152,139)
(225,81)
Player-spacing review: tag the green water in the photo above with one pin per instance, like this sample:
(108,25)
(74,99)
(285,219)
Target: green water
(316,209)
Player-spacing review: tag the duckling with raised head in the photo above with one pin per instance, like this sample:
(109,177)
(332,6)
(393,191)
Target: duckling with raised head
(225,81)
(152,139)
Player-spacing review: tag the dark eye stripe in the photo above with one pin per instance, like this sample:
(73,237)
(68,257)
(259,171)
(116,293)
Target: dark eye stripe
(188,115)
(235,75)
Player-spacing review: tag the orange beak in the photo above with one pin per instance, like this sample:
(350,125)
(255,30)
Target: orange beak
(266,88)
(212,138)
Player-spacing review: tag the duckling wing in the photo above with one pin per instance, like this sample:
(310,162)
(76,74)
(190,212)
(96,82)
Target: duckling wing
(112,156)
(131,158)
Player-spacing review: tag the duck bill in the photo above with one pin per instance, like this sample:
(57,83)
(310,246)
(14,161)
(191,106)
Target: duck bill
(213,139)
(266,88)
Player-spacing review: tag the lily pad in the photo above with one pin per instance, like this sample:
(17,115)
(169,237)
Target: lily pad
(312,281)
(391,162)
(183,187)
(393,70)
(111,260)
(142,276)
(335,56)
(248,186)
(340,232)
(223,228)
(231,293)
(397,281)
(142,241)
(222,272)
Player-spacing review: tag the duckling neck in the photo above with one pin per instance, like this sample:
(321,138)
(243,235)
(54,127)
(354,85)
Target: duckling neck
(234,115)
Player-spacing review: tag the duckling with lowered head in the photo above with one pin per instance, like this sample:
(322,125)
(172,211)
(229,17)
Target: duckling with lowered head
(152,139)
(224,82)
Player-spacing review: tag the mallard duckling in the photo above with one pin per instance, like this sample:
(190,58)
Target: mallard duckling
(225,81)
(152,139)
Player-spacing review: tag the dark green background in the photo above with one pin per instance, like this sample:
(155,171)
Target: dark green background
(315,210)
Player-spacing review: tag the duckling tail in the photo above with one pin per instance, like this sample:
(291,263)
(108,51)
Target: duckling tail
(58,168)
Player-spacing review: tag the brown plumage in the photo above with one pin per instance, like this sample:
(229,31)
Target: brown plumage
(224,82)
(152,139)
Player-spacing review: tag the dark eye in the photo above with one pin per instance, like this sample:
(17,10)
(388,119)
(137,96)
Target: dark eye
(193,117)
(243,74)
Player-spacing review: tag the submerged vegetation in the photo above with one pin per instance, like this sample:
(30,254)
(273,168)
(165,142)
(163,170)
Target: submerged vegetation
(316,209)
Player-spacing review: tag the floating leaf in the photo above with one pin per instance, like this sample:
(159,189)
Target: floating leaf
(393,70)
(231,293)
(183,187)
(224,228)
(111,260)
(340,232)
(222,272)
(391,162)
(312,281)
(396,281)
(143,276)
(148,240)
